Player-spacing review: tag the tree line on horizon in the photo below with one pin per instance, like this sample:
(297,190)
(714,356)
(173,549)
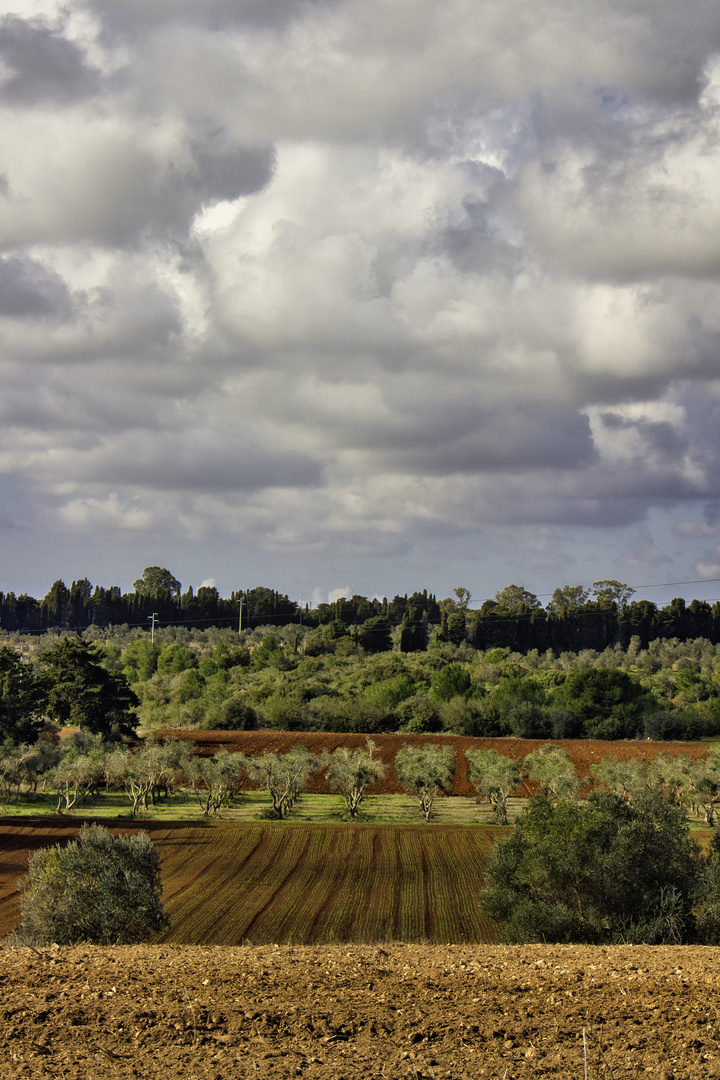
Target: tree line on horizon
(576,618)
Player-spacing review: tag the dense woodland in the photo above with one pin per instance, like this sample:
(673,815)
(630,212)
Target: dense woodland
(575,618)
(303,678)
(605,667)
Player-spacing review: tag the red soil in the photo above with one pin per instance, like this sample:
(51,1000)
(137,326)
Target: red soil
(583,752)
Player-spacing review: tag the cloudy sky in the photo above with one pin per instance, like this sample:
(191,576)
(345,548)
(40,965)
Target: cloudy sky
(360,294)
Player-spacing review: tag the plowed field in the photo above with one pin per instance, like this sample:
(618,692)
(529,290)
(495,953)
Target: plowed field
(360,1013)
(231,882)
(583,752)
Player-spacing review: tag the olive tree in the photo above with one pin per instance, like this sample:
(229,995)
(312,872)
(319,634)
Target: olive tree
(495,777)
(216,779)
(81,770)
(351,772)
(146,771)
(425,770)
(552,770)
(100,889)
(283,775)
(703,790)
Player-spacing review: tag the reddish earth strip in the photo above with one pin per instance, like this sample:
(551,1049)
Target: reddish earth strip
(583,752)
(361,1012)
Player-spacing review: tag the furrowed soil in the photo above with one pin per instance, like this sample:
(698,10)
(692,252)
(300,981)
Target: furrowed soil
(359,1012)
(228,883)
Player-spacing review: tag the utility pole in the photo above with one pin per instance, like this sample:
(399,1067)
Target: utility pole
(301,600)
(240,616)
(152,619)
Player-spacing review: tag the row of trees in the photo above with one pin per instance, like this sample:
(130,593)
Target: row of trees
(575,618)
(81,766)
(273,684)
(691,784)
(78,767)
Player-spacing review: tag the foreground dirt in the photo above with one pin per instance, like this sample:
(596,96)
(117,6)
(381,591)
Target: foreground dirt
(340,1013)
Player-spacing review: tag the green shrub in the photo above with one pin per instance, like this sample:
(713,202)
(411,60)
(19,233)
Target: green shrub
(99,889)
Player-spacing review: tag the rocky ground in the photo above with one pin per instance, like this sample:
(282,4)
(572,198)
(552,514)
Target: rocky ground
(347,1012)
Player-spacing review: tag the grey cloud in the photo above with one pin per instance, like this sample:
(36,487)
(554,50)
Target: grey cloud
(475,244)
(504,440)
(44,66)
(660,436)
(227,173)
(134,17)
(28,290)
(472,279)
(142,461)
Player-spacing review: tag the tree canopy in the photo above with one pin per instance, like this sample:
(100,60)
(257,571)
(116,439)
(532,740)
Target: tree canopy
(598,871)
(81,692)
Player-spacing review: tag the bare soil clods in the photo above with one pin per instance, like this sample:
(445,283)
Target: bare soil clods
(347,1012)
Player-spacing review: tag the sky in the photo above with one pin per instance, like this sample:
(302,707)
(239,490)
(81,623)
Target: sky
(360,295)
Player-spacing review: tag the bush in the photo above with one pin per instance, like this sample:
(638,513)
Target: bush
(602,871)
(99,889)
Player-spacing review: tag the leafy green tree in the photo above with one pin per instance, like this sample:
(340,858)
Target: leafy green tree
(418,714)
(609,591)
(80,770)
(567,600)
(268,654)
(352,772)
(216,779)
(175,658)
(606,702)
(707,910)
(450,681)
(413,631)
(703,788)
(22,698)
(227,656)
(232,714)
(81,692)
(99,889)
(516,600)
(598,871)
(463,597)
(156,583)
(628,779)
(553,771)
(388,693)
(139,660)
(56,605)
(456,627)
(425,770)
(144,772)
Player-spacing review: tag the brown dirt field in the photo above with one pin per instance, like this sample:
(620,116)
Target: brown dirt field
(356,1013)
(232,883)
(583,752)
